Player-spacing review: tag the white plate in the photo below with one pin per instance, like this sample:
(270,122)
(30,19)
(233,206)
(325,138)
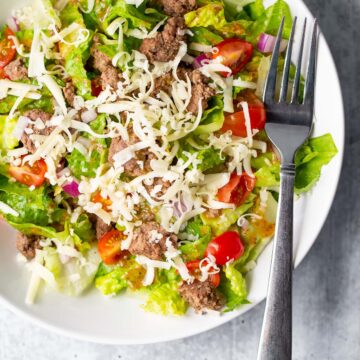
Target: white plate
(120,320)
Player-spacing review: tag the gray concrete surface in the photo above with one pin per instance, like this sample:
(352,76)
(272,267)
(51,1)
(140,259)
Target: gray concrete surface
(327,286)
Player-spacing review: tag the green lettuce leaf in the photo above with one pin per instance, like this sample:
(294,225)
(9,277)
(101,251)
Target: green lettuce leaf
(310,159)
(255,9)
(76,56)
(195,249)
(84,229)
(7,126)
(163,296)
(202,35)
(105,11)
(228,217)
(269,22)
(233,286)
(33,207)
(80,166)
(111,280)
(85,270)
(213,118)
(212,16)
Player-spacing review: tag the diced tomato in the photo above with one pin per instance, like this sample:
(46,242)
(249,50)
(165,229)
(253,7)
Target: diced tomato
(237,189)
(30,175)
(2,74)
(194,269)
(225,247)
(236,121)
(109,247)
(7,48)
(95,87)
(234,53)
(97,198)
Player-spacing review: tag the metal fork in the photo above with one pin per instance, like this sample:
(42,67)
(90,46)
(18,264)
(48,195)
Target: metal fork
(289,124)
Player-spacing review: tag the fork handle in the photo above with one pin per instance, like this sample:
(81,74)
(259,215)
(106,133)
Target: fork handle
(276,334)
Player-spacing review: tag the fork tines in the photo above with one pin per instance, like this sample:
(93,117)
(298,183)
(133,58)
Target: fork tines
(270,87)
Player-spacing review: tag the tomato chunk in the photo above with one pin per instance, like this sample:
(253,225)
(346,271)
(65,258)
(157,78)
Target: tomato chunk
(233,53)
(225,247)
(109,247)
(194,269)
(96,87)
(236,122)
(7,48)
(237,189)
(30,175)
(97,198)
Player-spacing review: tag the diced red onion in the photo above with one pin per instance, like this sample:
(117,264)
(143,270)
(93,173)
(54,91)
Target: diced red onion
(179,208)
(267,42)
(13,24)
(88,116)
(200,61)
(20,127)
(72,189)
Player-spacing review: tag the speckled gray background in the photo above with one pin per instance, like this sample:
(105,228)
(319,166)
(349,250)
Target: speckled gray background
(327,285)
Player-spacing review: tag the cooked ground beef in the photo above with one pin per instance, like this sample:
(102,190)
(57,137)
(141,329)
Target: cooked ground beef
(137,166)
(200,88)
(200,91)
(110,77)
(165,46)
(16,70)
(159,185)
(145,242)
(178,7)
(27,245)
(34,115)
(69,93)
(102,63)
(101,228)
(202,295)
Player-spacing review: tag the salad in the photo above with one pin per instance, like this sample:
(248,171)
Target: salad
(133,150)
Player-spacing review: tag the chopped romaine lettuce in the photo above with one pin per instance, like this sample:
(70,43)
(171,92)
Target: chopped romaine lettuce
(83,228)
(211,15)
(269,22)
(233,286)
(200,235)
(7,126)
(213,118)
(74,276)
(80,166)
(309,160)
(76,56)
(203,35)
(228,217)
(33,207)
(163,296)
(111,280)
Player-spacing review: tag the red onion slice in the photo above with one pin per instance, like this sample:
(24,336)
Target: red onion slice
(72,189)
(200,61)
(267,42)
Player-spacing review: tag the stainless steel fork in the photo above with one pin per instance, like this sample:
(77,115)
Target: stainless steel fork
(288,125)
